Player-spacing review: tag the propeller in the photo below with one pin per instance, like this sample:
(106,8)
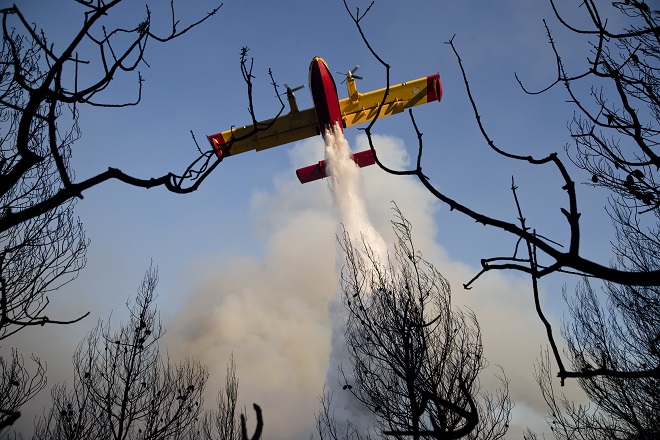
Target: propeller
(350,74)
(291,90)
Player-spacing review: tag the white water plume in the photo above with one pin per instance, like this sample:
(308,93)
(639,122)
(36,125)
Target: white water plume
(345,187)
(346,192)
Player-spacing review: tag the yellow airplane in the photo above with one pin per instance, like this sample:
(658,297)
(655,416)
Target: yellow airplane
(328,110)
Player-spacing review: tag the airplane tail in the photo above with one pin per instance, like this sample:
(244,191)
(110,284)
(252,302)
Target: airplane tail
(319,170)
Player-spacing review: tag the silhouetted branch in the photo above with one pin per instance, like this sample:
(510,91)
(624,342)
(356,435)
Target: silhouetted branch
(35,86)
(258,429)
(628,60)
(564,260)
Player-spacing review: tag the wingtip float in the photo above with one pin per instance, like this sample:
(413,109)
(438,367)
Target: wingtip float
(328,110)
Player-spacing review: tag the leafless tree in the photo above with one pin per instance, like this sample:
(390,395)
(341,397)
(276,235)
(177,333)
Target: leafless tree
(415,359)
(620,340)
(566,258)
(42,92)
(45,87)
(620,408)
(615,132)
(611,350)
(616,129)
(614,350)
(17,386)
(46,251)
(36,257)
(223,423)
(123,387)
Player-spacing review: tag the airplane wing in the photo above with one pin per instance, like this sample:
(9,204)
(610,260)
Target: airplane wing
(362,107)
(292,127)
(320,170)
(297,125)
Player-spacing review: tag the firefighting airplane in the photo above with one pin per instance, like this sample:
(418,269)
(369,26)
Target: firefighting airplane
(328,110)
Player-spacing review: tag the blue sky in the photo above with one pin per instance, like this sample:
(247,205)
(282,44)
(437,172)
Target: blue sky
(250,210)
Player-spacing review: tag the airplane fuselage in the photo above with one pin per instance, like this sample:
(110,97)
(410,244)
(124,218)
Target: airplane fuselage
(324,95)
(328,115)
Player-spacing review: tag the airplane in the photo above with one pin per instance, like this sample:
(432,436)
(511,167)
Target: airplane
(328,110)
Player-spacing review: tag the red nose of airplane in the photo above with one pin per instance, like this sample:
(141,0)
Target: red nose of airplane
(324,94)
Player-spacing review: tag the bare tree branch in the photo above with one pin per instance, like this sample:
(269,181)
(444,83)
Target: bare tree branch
(569,259)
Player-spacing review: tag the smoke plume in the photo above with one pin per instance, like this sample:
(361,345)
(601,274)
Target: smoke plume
(272,310)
